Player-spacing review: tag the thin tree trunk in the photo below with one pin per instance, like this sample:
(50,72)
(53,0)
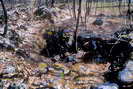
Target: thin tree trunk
(5,18)
(52,3)
(88,9)
(96,2)
(69,7)
(77,25)
(86,13)
(120,2)
(74,11)
(46,3)
(129,9)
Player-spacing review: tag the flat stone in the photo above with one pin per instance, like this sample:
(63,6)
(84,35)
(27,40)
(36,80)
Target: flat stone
(107,86)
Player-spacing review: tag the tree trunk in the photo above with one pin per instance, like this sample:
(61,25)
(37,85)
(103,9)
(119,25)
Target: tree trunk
(129,9)
(120,2)
(74,7)
(46,3)
(52,3)
(5,18)
(77,25)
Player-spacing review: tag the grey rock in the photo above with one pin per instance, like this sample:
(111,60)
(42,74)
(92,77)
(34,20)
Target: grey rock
(4,60)
(100,60)
(86,35)
(98,22)
(5,43)
(18,86)
(129,65)
(57,57)
(126,75)
(43,12)
(70,59)
(131,35)
(10,41)
(9,69)
(23,86)
(107,86)
(43,83)
(13,86)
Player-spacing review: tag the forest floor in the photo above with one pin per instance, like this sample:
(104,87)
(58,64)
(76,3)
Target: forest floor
(23,66)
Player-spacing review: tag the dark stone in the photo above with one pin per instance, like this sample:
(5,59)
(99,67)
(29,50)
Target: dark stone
(57,44)
(23,27)
(110,50)
(98,22)
(70,59)
(22,53)
(101,15)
